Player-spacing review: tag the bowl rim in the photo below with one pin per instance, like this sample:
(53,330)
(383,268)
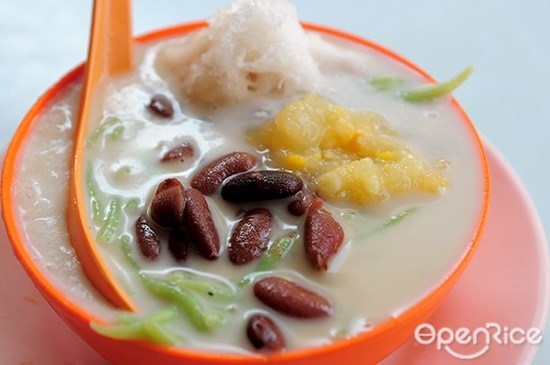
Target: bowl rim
(55,294)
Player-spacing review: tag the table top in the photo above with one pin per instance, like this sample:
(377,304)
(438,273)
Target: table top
(508,97)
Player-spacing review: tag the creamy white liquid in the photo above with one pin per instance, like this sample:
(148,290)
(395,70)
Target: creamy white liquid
(370,280)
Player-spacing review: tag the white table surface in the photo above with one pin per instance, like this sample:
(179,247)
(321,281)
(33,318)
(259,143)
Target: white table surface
(508,42)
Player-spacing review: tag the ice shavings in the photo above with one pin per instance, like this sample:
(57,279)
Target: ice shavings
(251,48)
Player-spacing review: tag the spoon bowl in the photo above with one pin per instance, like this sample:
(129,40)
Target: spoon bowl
(109,54)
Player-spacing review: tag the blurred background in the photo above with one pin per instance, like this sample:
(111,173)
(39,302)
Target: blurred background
(508,96)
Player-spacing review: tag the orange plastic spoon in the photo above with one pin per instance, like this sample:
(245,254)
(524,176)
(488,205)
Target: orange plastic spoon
(109,54)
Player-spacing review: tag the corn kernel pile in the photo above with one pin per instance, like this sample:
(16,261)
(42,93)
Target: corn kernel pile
(348,154)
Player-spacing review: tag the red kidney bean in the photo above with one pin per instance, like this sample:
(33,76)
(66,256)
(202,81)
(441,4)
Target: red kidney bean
(161,105)
(323,236)
(178,242)
(264,333)
(181,153)
(250,236)
(302,201)
(168,203)
(212,175)
(199,224)
(147,239)
(291,299)
(261,185)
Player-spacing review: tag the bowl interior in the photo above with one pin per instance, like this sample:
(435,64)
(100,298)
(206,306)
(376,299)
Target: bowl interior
(379,339)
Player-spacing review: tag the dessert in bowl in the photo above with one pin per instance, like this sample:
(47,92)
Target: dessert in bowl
(261,191)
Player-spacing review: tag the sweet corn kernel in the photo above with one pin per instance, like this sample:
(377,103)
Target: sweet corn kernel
(295,162)
(386,155)
(350,155)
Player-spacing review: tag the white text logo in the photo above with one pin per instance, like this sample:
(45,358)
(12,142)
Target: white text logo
(485,337)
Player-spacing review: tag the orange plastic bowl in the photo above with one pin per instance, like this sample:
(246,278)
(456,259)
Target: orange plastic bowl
(365,348)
